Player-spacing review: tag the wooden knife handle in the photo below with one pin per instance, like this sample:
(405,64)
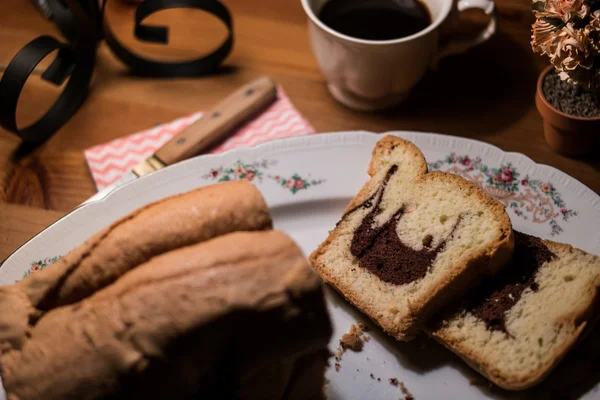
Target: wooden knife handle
(217,123)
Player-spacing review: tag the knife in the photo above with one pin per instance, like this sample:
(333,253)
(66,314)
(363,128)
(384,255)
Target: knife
(210,129)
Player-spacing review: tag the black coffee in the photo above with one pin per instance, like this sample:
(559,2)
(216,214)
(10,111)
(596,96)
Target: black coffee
(375,19)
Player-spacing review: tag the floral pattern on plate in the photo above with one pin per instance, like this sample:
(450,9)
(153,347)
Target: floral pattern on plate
(296,182)
(240,170)
(532,199)
(40,264)
(256,172)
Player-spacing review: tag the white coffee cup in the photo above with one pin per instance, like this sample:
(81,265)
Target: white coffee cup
(377,74)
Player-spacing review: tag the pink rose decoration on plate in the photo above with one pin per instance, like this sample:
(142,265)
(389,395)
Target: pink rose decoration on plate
(506,175)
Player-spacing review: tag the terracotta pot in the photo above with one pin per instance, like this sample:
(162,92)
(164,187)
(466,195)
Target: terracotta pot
(566,134)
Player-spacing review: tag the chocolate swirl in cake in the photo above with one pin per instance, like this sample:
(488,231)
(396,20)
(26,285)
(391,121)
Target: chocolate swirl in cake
(380,250)
(494,297)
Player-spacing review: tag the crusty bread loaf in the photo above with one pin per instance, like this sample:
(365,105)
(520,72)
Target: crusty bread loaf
(157,228)
(411,241)
(211,320)
(515,327)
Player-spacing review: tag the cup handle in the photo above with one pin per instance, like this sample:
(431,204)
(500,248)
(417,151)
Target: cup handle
(458,46)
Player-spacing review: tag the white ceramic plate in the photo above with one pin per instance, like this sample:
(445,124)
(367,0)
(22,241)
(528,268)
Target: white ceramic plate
(307,181)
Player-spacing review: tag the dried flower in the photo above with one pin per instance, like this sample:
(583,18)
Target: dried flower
(592,30)
(568,32)
(565,10)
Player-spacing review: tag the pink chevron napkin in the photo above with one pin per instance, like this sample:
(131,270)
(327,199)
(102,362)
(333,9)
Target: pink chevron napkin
(108,161)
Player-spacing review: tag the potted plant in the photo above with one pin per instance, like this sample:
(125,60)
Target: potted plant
(568,91)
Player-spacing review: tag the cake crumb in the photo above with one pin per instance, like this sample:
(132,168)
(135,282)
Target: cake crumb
(481,382)
(352,340)
(407,395)
(378,379)
(338,353)
(476,382)
(372,376)
(393,381)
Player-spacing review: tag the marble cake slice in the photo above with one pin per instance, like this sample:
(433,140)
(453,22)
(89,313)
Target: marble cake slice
(515,328)
(411,241)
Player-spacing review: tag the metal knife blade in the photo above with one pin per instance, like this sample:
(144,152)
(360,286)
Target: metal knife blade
(214,126)
(125,178)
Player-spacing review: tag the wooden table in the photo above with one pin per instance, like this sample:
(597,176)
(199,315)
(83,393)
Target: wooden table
(487,94)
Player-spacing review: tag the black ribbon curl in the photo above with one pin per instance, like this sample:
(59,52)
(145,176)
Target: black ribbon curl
(83,24)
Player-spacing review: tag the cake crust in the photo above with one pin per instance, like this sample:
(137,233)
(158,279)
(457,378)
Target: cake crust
(156,228)
(237,306)
(190,296)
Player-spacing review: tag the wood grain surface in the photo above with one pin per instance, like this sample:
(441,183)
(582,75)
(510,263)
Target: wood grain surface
(486,94)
